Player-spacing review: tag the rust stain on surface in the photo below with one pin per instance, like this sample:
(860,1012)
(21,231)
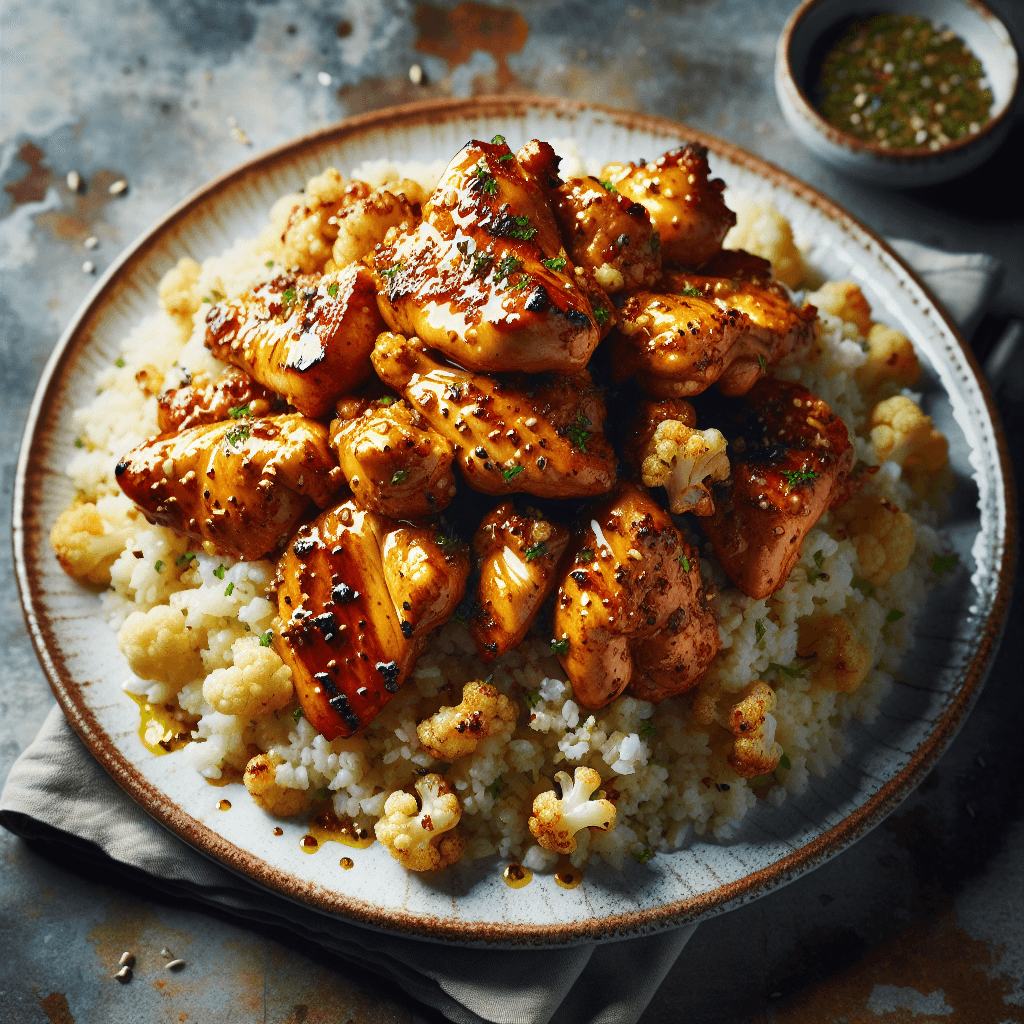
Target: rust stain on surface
(132,925)
(32,187)
(456,34)
(75,220)
(55,1006)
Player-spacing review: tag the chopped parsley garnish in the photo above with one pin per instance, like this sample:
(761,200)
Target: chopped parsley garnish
(238,411)
(684,562)
(784,762)
(386,400)
(555,263)
(496,787)
(79,443)
(601,315)
(266,639)
(296,715)
(813,575)
(502,159)
(762,363)
(332,290)
(643,856)
(480,263)
(894,615)
(120,362)
(184,559)
(578,433)
(586,555)
(509,225)
(214,296)
(560,646)
(647,729)
(532,698)
(796,477)
(536,550)
(219,572)
(159,566)
(759,630)
(608,186)
(511,474)
(485,179)
(527,282)
(238,434)
(270,263)
(693,293)
(399,476)
(498,140)
(796,672)
(507,266)
(229,589)
(447,540)
(867,589)
(390,272)
(819,558)
(945,563)
(288,297)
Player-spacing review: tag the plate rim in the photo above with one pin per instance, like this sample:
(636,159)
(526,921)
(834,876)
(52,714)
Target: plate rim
(27,526)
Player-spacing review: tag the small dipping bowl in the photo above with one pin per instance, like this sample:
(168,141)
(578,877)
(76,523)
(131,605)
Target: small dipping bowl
(816,25)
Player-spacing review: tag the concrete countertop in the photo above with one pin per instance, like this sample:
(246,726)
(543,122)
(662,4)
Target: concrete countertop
(922,920)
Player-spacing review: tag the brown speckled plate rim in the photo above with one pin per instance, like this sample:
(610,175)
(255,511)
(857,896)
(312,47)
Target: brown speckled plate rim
(28,538)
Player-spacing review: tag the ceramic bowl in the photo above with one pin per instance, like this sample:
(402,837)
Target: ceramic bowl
(798,57)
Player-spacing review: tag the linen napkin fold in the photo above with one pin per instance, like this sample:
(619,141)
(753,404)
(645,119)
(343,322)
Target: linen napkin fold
(57,793)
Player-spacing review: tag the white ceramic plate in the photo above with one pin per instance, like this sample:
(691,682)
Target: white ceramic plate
(472,904)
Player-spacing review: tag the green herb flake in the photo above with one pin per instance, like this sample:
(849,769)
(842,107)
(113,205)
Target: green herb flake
(819,558)
(400,476)
(507,266)
(159,566)
(762,363)
(692,293)
(332,290)
(784,762)
(760,781)
(556,263)
(495,788)
(759,630)
(120,363)
(390,272)
(532,698)
(288,297)
(485,178)
(794,672)
(266,639)
(219,572)
(601,315)
(796,477)
(229,590)
(643,856)
(835,720)
(296,715)
(608,186)
(536,550)
(447,540)
(647,729)
(945,563)
(79,443)
(512,473)
(498,140)
(867,589)
(237,411)
(270,263)
(684,562)
(560,646)
(578,433)
(502,159)
(894,615)
(184,559)
(585,555)
(386,400)
(238,434)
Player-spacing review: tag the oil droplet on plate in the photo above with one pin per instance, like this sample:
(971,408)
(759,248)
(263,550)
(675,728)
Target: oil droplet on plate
(327,827)
(278,831)
(309,844)
(159,730)
(347,863)
(516,876)
(224,805)
(567,876)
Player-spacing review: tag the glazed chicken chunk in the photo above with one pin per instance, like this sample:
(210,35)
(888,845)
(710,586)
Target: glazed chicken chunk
(484,278)
(791,458)
(232,395)
(238,487)
(685,203)
(540,435)
(359,594)
(394,463)
(632,612)
(307,337)
(518,555)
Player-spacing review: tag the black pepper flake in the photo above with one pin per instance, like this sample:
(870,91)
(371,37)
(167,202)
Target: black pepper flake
(342,593)
(406,628)
(303,546)
(342,706)
(538,301)
(389,670)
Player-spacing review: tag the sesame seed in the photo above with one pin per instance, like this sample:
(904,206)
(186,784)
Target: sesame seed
(124,975)
(324,79)
(239,136)
(88,267)
(91,242)
(74,180)
(165,952)
(127,959)
(174,965)
(117,187)
(416,74)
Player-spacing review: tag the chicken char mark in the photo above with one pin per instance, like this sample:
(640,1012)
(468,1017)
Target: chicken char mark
(631,613)
(540,435)
(307,337)
(359,594)
(484,277)
(791,458)
(518,556)
(240,485)
(684,202)
(232,395)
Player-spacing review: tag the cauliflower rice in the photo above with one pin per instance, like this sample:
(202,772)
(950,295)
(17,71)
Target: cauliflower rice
(194,627)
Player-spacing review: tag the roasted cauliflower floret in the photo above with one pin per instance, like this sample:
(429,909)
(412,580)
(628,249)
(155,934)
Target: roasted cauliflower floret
(257,683)
(750,748)
(179,289)
(684,461)
(455,732)
(845,300)
(883,536)
(840,660)
(159,646)
(555,821)
(901,432)
(364,224)
(87,544)
(891,360)
(308,235)
(417,833)
(763,231)
(261,782)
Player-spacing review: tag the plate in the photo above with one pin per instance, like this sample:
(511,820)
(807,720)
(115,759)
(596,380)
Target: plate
(956,637)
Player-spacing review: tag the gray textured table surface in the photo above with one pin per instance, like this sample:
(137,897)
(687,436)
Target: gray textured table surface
(922,920)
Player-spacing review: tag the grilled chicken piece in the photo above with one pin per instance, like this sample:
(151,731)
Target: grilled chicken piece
(483,278)
(518,557)
(239,486)
(231,395)
(394,463)
(791,457)
(307,337)
(540,435)
(359,594)
(711,329)
(632,611)
(686,206)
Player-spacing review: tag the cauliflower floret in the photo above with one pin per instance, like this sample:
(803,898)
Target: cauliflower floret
(417,833)
(681,459)
(179,289)
(364,224)
(900,431)
(87,543)
(763,231)
(160,646)
(891,360)
(555,821)
(309,234)
(262,785)
(883,536)
(257,683)
(845,300)
(842,661)
(750,748)
(455,732)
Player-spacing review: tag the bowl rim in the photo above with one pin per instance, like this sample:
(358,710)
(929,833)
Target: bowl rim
(29,531)
(902,154)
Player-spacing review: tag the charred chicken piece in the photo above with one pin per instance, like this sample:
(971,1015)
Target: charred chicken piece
(685,203)
(238,486)
(791,458)
(394,463)
(358,594)
(308,337)
(632,611)
(540,435)
(483,278)
(518,557)
(232,395)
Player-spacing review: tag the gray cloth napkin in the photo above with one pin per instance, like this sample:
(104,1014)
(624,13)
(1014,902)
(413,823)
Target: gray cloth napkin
(56,792)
